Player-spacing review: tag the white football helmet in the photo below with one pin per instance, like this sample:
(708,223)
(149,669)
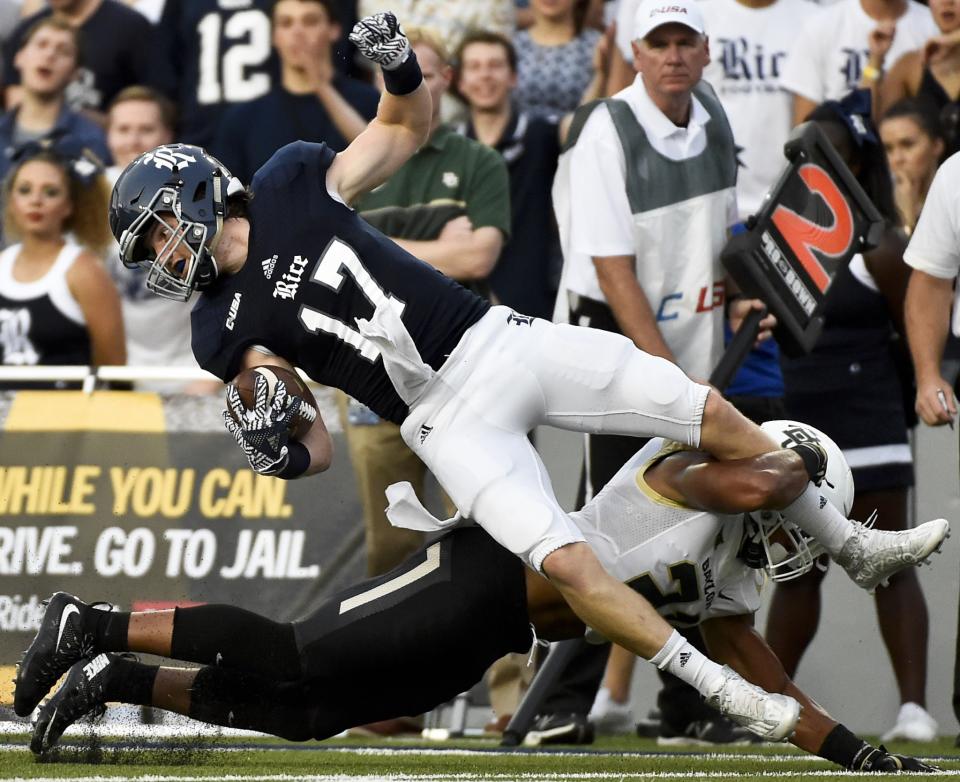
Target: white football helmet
(789,551)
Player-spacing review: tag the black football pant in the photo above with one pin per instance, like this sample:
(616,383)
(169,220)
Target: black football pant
(252,679)
(251,674)
(393,645)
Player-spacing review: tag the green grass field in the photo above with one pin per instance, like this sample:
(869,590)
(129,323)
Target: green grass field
(86,756)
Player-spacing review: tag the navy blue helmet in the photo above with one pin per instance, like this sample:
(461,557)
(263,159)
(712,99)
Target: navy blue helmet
(177,193)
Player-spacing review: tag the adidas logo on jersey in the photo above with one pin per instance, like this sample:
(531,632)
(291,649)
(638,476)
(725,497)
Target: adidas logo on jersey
(684,658)
(425,432)
(269,264)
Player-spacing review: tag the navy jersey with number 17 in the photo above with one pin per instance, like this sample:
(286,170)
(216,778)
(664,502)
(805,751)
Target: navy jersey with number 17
(313,267)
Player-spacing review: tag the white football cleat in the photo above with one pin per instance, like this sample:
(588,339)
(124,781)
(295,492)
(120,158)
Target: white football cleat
(914,723)
(609,717)
(772,716)
(871,556)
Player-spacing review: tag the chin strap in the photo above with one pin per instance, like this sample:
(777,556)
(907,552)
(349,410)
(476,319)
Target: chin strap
(207,271)
(751,551)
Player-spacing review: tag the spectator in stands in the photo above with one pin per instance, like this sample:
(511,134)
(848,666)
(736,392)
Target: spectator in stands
(57,302)
(117,51)
(221,55)
(854,386)
(848,44)
(46,62)
(555,58)
(934,255)
(312,102)
(914,142)
(931,73)
(749,45)
(595,16)
(140,119)
(527,272)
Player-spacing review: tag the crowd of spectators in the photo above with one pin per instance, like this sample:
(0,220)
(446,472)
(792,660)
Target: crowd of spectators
(91,84)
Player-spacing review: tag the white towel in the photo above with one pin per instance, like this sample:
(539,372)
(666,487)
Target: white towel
(401,359)
(407,512)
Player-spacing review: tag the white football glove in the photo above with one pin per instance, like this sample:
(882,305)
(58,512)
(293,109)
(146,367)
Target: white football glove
(380,39)
(262,433)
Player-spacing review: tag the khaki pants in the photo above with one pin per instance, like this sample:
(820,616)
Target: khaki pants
(507,682)
(380,457)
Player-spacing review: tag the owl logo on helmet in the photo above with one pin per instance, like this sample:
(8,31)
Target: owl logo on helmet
(164,157)
(166,213)
(777,545)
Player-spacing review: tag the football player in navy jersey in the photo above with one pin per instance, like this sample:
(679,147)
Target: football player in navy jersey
(292,276)
(221,55)
(415,637)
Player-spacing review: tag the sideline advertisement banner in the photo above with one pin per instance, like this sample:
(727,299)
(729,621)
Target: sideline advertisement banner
(136,507)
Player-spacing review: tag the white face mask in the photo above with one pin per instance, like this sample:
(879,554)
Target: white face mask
(788,552)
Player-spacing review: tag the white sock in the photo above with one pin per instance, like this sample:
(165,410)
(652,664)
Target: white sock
(818,518)
(688,664)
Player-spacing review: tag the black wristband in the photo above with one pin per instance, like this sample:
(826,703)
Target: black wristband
(298,461)
(842,747)
(813,460)
(405,78)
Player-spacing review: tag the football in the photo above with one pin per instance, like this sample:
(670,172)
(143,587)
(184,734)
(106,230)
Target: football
(244,383)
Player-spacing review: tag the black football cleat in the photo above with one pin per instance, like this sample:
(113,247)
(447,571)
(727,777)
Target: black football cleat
(59,643)
(560,729)
(81,693)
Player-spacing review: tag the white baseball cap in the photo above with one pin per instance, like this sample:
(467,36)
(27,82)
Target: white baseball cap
(651,14)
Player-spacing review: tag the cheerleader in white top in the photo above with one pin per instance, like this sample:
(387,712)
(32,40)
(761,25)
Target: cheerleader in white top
(58,305)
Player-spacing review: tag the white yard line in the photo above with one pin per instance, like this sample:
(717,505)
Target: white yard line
(465,777)
(134,730)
